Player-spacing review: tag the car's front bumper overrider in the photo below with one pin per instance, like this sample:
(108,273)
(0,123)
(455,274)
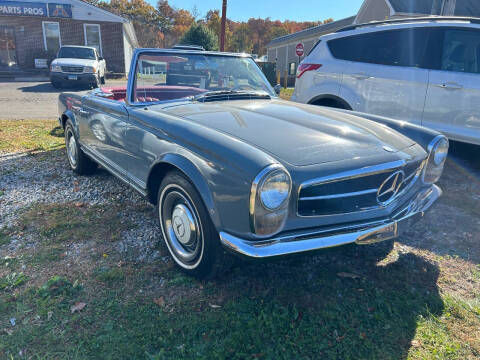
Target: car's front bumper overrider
(362,234)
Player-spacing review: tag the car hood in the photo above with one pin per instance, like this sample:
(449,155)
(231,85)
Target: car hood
(73,61)
(296,133)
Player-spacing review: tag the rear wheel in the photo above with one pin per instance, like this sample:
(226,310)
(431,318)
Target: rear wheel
(187,229)
(333,103)
(79,162)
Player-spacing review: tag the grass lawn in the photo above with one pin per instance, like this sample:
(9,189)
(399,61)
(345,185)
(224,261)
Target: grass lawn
(30,135)
(286,94)
(66,291)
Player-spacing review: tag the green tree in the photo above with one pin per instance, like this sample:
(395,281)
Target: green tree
(242,39)
(199,34)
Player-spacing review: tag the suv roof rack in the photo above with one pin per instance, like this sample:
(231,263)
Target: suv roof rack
(188,47)
(472,20)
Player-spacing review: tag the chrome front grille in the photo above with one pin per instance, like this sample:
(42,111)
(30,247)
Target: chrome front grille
(72,69)
(358,190)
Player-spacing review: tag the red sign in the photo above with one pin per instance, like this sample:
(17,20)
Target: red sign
(299,49)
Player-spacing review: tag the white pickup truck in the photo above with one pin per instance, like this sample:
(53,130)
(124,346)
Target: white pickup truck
(78,65)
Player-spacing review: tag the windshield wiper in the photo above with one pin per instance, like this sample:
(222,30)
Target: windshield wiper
(220,95)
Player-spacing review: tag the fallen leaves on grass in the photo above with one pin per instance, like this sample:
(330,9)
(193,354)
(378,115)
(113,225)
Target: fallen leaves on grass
(77,307)
(415,343)
(159,301)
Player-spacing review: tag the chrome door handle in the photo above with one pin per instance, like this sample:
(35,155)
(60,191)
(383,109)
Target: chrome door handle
(450,86)
(361,76)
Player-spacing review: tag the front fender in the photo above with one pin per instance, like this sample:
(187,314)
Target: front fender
(421,135)
(193,173)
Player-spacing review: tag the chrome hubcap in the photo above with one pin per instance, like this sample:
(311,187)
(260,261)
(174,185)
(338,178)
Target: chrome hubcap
(71,149)
(181,226)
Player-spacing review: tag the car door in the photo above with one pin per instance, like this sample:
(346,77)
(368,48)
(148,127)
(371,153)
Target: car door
(386,75)
(102,127)
(453,97)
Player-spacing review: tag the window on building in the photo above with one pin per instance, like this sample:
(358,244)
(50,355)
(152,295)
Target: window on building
(394,48)
(93,36)
(51,36)
(292,68)
(461,51)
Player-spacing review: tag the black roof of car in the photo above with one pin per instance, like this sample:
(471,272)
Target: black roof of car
(471,20)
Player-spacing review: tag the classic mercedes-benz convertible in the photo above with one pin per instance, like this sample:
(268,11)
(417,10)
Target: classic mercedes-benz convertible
(233,168)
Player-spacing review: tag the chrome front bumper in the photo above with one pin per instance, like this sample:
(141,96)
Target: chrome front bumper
(361,234)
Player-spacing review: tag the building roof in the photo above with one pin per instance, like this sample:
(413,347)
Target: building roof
(82,10)
(312,32)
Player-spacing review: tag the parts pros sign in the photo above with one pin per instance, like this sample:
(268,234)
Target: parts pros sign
(16,8)
(299,49)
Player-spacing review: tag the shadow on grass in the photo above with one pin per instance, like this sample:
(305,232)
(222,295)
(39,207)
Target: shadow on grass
(57,132)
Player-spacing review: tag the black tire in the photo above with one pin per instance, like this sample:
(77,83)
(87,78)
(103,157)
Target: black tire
(203,257)
(78,161)
(95,83)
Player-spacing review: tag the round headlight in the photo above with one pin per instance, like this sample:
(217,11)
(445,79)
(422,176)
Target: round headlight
(440,152)
(275,189)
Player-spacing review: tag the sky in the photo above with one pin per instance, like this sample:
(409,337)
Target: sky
(297,10)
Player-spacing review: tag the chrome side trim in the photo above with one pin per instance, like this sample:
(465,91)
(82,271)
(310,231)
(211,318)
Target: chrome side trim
(336,196)
(303,242)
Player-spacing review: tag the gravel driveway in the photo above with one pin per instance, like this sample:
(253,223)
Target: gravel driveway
(26,180)
(33,100)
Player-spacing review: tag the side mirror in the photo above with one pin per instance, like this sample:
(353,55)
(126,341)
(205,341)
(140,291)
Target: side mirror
(277,89)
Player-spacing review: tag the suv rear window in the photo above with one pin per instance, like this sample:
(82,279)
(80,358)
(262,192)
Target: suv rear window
(406,47)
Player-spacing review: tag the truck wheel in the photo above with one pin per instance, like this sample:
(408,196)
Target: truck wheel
(79,162)
(187,229)
(95,82)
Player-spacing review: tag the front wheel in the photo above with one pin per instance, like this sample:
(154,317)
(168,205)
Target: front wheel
(187,229)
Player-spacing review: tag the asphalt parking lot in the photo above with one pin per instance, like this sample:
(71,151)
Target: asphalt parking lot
(33,100)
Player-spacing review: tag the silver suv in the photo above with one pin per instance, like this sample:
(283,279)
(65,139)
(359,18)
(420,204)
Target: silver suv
(425,71)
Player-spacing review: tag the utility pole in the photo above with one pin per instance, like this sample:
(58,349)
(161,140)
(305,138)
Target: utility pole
(222,31)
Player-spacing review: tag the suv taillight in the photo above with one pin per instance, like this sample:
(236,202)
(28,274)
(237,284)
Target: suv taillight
(303,68)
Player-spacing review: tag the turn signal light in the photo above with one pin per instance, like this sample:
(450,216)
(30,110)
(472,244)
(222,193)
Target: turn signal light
(303,68)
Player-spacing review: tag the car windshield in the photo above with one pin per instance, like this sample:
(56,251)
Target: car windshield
(171,76)
(76,53)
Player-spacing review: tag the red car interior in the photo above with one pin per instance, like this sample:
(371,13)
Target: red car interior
(148,94)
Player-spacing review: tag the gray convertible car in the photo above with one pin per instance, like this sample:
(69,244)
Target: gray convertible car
(233,168)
